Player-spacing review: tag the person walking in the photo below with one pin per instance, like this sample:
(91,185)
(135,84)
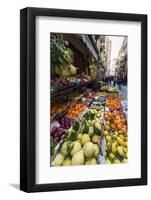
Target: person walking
(110,80)
(119,82)
(115,81)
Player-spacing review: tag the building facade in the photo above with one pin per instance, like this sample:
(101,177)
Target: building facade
(121,63)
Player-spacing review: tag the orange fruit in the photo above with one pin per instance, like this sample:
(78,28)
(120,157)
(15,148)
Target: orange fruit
(117,117)
(122,116)
(113,126)
(117,121)
(123,120)
(123,130)
(124,126)
(106,116)
(119,126)
(114,114)
(110,114)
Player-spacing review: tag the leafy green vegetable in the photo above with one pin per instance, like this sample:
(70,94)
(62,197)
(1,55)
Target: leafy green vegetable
(69,148)
(60,53)
(52,148)
(76,126)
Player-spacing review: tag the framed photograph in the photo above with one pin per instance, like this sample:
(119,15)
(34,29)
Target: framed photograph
(83,99)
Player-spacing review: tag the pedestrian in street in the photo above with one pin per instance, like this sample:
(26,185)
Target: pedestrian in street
(119,82)
(125,80)
(122,82)
(115,81)
(110,80)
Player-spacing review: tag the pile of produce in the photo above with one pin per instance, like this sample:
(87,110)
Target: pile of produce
(58,84)
(57,107)
(75,110)
(57,134)
(81,151)
(115,121)
(74,96)
(64,73)
(84,78)
(65,122)
(116,147)
(74,153)
(115,132)
(114,103)
(98,103)
(62,57)
(88,93)
(81,142)
(93,70)
(107,88)
(92,122)
(103,93)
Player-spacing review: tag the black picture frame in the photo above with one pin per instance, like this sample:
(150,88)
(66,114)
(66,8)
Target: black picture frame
(28,98)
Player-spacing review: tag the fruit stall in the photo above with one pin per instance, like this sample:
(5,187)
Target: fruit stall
(88,118)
